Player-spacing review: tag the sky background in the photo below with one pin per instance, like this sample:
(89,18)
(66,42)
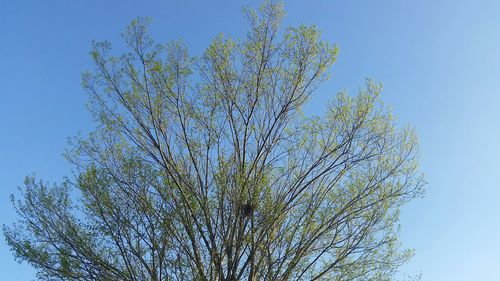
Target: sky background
(439,62)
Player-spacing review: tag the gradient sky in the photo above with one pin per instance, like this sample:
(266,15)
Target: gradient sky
(439,61)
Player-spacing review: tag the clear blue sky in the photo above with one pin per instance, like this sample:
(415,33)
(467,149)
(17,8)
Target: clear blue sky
(439,62)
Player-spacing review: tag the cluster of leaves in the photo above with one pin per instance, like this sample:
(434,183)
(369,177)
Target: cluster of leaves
(206,169)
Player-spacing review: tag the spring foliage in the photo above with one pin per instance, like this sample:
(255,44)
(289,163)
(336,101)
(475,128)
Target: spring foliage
(206,168)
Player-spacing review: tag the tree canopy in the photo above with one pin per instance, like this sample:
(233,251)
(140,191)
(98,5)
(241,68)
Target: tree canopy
(207,169)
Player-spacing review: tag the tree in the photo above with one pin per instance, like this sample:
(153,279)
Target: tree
(206,169)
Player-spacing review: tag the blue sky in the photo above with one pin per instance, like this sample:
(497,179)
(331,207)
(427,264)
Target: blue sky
(439,62)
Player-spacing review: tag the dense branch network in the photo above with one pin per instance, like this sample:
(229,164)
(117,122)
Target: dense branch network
(206,169)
